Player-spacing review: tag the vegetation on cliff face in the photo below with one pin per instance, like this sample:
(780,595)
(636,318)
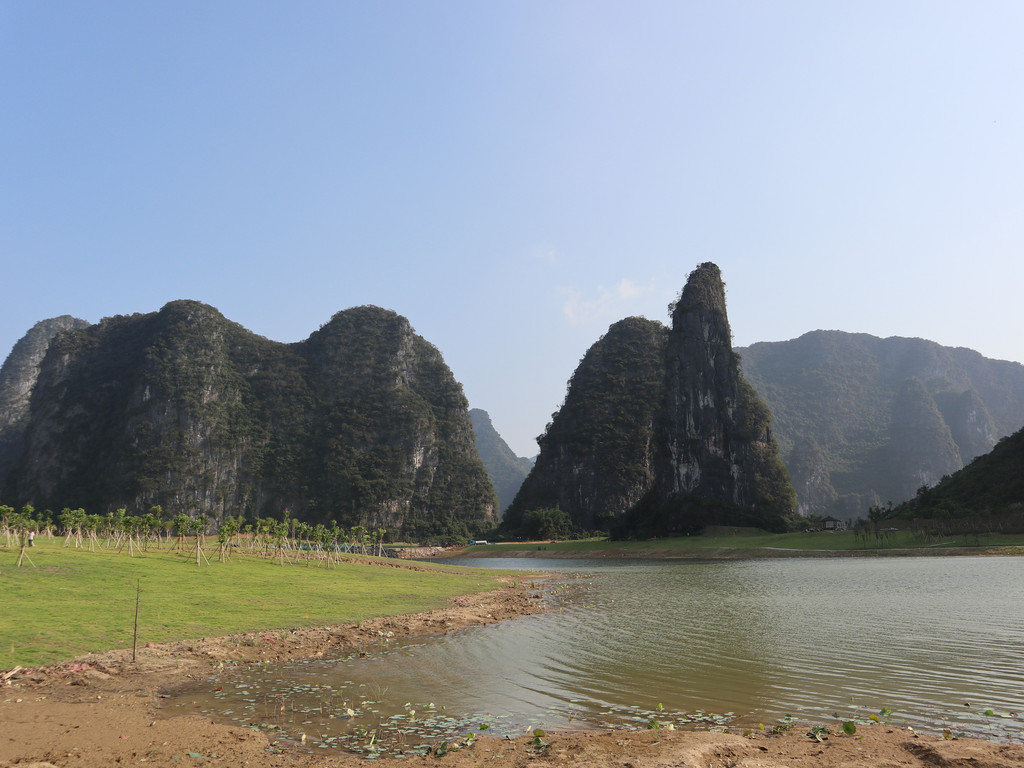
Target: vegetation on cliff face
(845,437)
(594,461)
(659,433)
(362,424)
(506,470)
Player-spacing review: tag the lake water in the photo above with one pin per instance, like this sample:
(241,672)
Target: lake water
(938,641)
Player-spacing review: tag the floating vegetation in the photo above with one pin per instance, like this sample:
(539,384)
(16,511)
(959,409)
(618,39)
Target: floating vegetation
(359,718)
(972,722)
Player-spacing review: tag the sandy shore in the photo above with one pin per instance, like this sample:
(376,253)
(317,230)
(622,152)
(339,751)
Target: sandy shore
(103,710)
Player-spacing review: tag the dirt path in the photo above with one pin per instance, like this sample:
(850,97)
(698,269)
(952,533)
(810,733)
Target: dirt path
(102,710)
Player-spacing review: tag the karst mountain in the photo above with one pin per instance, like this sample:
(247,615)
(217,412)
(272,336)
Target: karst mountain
(362,423)
(663,429)
(660,433)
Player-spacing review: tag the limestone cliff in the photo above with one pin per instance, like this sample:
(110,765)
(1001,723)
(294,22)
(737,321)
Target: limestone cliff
(970,424)
(362,423)
(18,377)
(716,459)
(808,470)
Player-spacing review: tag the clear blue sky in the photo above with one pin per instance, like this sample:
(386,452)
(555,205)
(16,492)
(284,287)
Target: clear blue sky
(515,175)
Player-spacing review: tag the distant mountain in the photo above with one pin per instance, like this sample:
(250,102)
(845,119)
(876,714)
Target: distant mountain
(506,470)
(659,433)
(991,486)
(17,378)
(863,421)
(362,423)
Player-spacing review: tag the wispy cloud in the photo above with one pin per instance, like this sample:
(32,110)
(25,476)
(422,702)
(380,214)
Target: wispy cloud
(607,303)
(544,253)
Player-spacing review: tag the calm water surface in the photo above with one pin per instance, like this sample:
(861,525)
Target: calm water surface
(937,640)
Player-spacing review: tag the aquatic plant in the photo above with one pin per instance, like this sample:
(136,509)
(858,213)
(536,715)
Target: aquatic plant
(538,744)
(818,733)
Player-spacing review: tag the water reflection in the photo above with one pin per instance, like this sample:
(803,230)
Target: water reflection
(636,641)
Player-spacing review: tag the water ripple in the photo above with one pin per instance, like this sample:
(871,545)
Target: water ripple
(936,640)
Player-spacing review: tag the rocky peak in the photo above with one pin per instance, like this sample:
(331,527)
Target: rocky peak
(344,342)
(840,388)
(701,304)
(701,385)
(718,459)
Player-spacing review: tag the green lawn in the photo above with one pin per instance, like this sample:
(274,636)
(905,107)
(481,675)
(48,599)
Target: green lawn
(76,601)
(725,538)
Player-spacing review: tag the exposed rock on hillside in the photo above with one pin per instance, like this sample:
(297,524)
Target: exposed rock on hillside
(659,432)
(506,470)
(969,421)
(716,460)
(808,472)
(362,423)
(840,390)
(989,490)
(17,378)
(921,448)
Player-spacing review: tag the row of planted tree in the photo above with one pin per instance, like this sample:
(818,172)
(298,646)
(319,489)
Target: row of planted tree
(288,539)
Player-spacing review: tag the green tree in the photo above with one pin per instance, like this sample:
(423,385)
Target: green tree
(23,524)
(547,523)
(225,533)
(182,524)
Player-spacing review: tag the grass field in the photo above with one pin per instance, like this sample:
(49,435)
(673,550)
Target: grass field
(74,601)
(752,539)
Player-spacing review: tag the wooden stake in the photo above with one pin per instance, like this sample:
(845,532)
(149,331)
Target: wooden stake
(135,635)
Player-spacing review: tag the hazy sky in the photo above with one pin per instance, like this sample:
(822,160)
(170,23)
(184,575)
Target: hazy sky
(514,176)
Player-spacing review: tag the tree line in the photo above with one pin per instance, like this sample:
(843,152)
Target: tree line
(287,539)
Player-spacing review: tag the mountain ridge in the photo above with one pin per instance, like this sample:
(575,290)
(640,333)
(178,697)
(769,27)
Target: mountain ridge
(839,422)
(842,426)
(362,423)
